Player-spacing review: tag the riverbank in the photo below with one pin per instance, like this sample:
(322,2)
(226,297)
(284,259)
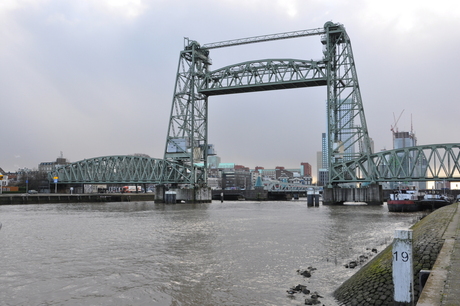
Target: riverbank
(373,283)
(16,199)
(442,286)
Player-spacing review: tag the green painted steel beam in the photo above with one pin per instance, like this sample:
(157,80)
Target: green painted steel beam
(436,162)
(264,38)
(121,170)
(263,75)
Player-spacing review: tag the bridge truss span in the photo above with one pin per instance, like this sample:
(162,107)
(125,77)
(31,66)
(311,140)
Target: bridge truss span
(187,139)
(276,186)
(349,155)
(123,169)
(261,75)
(436,162)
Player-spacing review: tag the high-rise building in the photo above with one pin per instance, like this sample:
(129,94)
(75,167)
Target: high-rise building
(372,144)
(324,150)
(322,162)
(319,160)
(404,140)
(305,169)
(213,161)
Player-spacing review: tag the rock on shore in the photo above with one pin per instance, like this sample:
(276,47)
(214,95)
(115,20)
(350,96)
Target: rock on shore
(373,283)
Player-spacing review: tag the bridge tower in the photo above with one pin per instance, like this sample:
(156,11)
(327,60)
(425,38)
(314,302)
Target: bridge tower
(347,132)
(187,139)
(348,139)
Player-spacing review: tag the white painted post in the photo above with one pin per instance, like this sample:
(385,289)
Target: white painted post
(403,274)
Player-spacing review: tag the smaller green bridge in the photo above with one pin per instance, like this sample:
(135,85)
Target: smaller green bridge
(436,162)
(122,170)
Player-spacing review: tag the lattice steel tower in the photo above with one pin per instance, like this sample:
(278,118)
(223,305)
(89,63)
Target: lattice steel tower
(187,139)
(346,123)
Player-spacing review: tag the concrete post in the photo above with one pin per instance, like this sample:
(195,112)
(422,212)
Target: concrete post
(371,194)
(403,274)
(160,193)
(170,197)
(310,199)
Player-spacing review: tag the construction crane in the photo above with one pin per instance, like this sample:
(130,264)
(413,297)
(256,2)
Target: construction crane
(394,127)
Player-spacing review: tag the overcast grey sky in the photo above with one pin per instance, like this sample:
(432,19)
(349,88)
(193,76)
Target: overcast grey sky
(96,77)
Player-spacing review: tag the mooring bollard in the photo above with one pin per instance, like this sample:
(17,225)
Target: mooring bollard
(403,276)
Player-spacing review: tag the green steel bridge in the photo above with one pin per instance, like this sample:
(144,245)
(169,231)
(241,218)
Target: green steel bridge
(350,158)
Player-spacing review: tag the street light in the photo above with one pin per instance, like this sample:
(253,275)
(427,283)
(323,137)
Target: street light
(1,184)
(55,183)
(27,181)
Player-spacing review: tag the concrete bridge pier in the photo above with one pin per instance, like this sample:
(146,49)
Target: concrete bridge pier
(192,195)
(371,194)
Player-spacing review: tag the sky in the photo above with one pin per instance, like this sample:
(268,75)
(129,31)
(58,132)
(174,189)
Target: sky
(89,78)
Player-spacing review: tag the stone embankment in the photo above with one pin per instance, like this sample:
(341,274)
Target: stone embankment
(373,283)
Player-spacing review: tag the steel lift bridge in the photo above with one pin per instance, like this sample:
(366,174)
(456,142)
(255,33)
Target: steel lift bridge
(350,157)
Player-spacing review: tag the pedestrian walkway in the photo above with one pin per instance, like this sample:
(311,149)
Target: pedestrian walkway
(443,285)
(451,295)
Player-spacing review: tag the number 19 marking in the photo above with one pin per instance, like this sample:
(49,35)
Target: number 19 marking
(404,256)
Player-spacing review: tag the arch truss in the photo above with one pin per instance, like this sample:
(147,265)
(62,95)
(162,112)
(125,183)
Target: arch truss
(275,186)
(122,170)
(264,75)
(436,162)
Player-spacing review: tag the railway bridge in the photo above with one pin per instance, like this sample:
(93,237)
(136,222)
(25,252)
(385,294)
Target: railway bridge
(350,159)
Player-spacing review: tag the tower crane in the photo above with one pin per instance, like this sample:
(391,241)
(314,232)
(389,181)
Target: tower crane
(394,128)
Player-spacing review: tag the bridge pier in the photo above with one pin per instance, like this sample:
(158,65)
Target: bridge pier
(193,195)
(372,195)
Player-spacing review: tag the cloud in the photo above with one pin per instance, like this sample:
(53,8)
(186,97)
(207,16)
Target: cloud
(93,78)
(126,8)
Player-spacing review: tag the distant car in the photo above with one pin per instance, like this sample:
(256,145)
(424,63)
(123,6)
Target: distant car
(33,191)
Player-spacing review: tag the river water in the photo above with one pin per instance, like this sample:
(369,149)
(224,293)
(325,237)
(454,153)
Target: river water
(231,253)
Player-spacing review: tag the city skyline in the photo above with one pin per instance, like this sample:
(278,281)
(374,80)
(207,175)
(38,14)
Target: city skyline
(96,78)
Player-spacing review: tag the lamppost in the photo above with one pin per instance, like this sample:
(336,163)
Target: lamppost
(1,184)
(55,183)
(27,180)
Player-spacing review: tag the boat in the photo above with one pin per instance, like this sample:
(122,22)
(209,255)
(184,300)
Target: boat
(404,200)
(434,199)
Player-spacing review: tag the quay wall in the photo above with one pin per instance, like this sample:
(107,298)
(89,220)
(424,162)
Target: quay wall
(74,198)
(371,194)
(259,194)
(198,195)
(373,283)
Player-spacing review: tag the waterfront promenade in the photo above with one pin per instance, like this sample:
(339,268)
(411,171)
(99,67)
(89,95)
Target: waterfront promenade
(443,285)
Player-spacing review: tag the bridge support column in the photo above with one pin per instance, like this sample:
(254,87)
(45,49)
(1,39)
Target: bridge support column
(372,195)
(194,195)
(160,191)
